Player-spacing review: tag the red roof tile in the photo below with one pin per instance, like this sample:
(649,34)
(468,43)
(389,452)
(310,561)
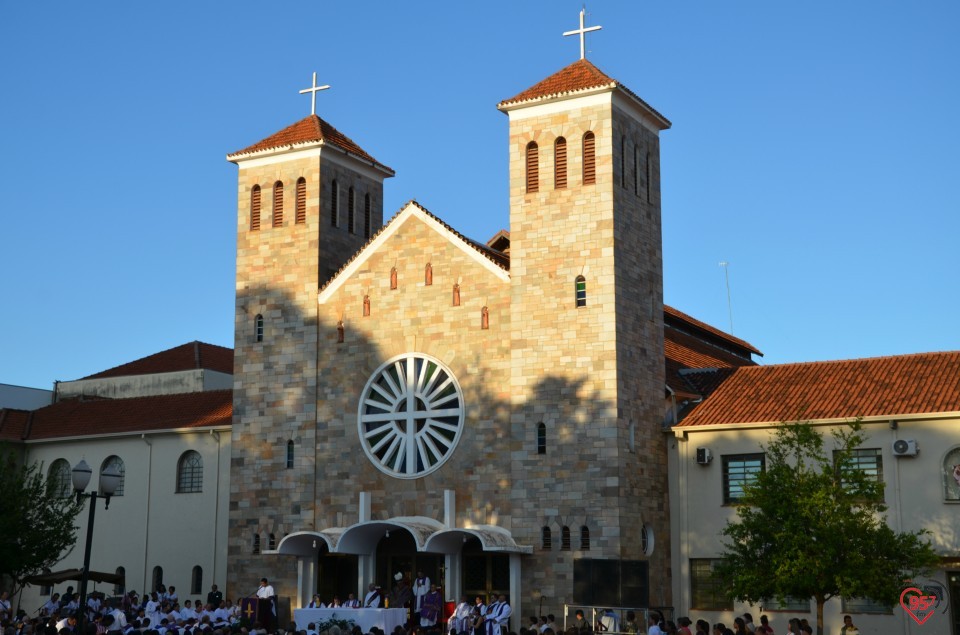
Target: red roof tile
(683,351)
(310,129)
(13,424)
(81,417)
(194,355)
(577,77)
(924,383)
(706,329)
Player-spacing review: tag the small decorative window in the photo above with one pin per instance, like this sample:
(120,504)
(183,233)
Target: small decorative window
(541,438)
(117,463)
(157,577)
(646,540)
(533,167)
(456,294)
(301,208)
(351,212)
(560,163)
(393,277)
(367,217)
(341,332)
(428,275)
(289,454)
(278,204)
(61,478)
(740,470)
(546,539)
(584,538)
(196,580)
(258,327)
(334,204)
(951,475)
(565,538)
(255,208)
(589,159)
(256,544)
(581,291)
(272,542)
(366,306)
(190,473)
(484,318)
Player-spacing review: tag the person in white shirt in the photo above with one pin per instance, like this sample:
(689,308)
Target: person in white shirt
(187,611)
(265,592)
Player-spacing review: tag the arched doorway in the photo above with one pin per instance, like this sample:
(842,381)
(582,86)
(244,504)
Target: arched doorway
(397,553)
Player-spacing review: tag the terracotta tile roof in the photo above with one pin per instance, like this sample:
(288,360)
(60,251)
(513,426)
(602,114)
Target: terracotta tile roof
(882,386)
(193,355)
(310,129)
(14,424)
(706,330)
(577,77)
(684,350)
(499,259)
(81,417)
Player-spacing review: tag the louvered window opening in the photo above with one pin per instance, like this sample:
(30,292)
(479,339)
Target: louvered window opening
(334,204)
(366,216)
(533,168)
(255,209)
(278,204)
(351,215)
(301,211)
(560,164)
(589,159)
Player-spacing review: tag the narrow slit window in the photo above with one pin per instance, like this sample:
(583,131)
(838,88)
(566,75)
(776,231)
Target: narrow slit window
(278,204)
(256,543)
(255,208)
(301,208)
(581,291)
(351,213)
(585,538)
(366,216)
(290,454)
(636,171)
(546,539)
(649,197)
(560,164)
(334,204)
(623,159)
(541,438)
(589,159)
(258,328)
(533,167)
(565,538)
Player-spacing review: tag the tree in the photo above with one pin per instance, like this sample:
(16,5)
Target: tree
(813,526)
(37,526)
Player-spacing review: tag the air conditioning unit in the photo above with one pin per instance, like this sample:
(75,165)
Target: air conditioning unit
(905,447)
(704,456)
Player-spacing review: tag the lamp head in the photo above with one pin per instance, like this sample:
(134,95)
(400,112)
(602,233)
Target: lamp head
(81,476)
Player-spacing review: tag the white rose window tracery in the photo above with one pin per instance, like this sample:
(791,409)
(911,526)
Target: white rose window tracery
(410,416)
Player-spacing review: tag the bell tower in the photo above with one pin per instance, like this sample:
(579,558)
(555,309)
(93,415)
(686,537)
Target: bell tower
(587,312)
(308,198)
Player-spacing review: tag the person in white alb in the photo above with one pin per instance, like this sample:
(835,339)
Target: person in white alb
(352,602)
(461,622)
(372,599)
(502,616)
(421,586)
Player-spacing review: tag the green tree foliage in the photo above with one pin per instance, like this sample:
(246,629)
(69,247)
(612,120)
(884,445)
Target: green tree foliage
(36,522)
(812,525)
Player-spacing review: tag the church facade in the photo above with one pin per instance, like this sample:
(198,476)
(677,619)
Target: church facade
(408,399)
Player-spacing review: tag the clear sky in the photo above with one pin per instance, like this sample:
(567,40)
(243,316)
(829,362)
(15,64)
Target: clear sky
(815,148)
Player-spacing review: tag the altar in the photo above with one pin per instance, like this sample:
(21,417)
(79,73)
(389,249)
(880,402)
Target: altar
(386,619)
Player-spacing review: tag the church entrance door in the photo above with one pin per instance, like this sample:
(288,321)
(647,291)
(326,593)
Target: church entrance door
(336,576)
(398,554)
(484,574)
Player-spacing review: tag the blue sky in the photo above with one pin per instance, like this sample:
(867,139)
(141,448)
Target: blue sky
(814,148)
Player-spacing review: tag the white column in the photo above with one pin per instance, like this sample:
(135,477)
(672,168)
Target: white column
(515,592)
(306,580)
(452,577)
(366,563)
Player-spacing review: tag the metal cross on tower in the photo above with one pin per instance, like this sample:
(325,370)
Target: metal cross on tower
(582,32)
(313,90)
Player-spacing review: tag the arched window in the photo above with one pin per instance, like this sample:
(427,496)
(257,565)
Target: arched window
(533,167)
(951,475)
(300,213)
(115,462)
(541,438)
(255,208)
(484,318)
(623,159)
(351,213)
(456,294)
(649,197)
(428,275)
(256,543)
(367,219)
(546,540)
(366,306)
(59,475)
(334,204)
(258,327)
(272,543)
(157,578)
(190,473)
(196,580)
(118,588)
(278,204)
(289,454)
(560,163)
(565,538)
(393,277)
(581,291)
(589,159)
(584,538)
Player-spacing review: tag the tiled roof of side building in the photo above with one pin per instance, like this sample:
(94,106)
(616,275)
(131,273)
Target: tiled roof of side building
(310,129)
(13,424)
(670,312)
(85,417)
(580,76)
(190,356)
(683,351)
(923,383)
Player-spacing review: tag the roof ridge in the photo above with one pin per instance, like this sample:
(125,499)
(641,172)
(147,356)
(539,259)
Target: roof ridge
(853,360)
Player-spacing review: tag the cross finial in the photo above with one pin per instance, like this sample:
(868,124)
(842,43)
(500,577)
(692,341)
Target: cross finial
(582,32)
(313,93)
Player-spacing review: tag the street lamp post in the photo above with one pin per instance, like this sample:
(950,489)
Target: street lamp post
(109,480)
